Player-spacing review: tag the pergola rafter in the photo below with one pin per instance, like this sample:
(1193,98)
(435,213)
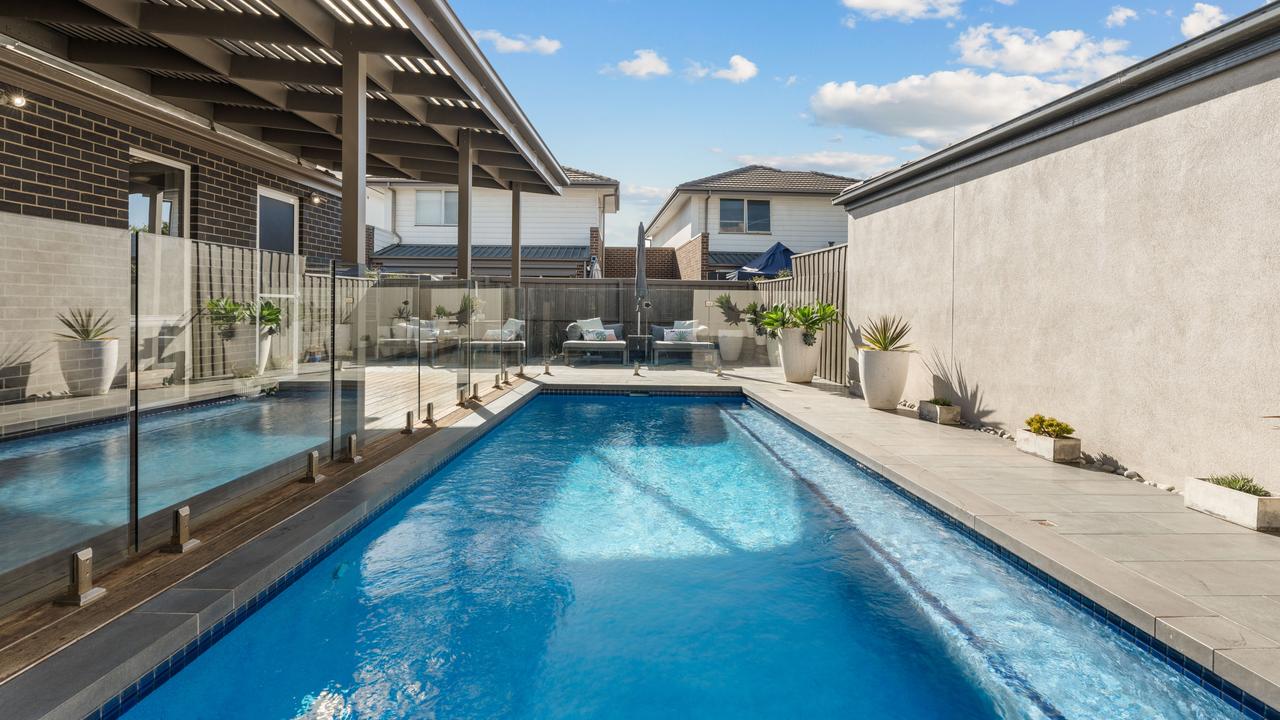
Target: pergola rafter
(392,87)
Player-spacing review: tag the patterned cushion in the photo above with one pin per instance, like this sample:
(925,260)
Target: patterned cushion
(592,324)
(679,335)
(685,325)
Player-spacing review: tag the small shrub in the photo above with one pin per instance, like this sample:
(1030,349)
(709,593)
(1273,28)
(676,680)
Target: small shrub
(940,402)
(1049,427)
(886,333)
(1238,481)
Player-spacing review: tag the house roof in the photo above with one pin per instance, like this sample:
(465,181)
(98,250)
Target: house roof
(760,178)
(725,258)
(1242,40)
(579,253)
(582,177)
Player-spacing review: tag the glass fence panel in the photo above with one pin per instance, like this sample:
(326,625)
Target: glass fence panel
(65,331)
(233,385)
(442,355)
(736,319)
(497,330)
(562,314)
(353,336)
(390,310)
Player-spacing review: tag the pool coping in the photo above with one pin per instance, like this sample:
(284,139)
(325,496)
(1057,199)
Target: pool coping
(106,671)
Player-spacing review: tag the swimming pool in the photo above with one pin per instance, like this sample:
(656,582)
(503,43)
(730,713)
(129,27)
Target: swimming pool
(64,487)
(658,557)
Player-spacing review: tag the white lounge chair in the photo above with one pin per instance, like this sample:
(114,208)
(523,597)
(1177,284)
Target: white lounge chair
(574,342)
(697,345)
(509,338)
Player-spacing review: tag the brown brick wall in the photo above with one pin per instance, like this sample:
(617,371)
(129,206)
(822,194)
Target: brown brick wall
(59,161)
(693,257)
(596,243)
(659,262)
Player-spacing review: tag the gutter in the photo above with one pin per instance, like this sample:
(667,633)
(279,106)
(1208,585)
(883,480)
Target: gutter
(1240,32)
(457,49)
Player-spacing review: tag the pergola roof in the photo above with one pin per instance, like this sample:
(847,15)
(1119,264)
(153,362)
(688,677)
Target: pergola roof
(272,70)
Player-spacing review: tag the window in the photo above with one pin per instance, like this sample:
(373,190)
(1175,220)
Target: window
(744,216)
(157,195)
(436,207)
(277,221)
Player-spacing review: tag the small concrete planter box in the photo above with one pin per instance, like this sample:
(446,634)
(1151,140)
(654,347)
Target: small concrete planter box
(1251,511)
(1061,450)
(941,414)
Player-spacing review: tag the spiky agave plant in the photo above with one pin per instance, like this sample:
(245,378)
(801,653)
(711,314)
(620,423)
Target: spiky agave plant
(887,333)
(85,324)
(775,319)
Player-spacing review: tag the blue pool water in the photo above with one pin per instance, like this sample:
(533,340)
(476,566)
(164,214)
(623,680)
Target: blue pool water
(666,557)
(64,487)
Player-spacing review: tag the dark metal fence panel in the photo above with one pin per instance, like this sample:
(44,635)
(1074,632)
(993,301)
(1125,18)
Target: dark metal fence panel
(818,275)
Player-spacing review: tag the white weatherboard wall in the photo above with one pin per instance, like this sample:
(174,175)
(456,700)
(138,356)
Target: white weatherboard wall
(1121,276)
(801,222)
(545,219)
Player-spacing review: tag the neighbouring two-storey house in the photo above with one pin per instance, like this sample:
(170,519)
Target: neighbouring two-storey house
(737,215)
(415,227)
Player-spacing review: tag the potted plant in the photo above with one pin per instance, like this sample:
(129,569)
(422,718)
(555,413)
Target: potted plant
(730,341)
(269,317)
(799,331)
(226,314)
(755,317)
(1049,438)
(87,356)
(883,361)
(1235,498)
(939,410)
(400,320)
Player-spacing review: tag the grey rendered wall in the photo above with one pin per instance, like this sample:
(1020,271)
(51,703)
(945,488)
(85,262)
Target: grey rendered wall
(1123,276)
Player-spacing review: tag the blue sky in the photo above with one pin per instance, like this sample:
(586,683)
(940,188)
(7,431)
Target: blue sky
(657,92)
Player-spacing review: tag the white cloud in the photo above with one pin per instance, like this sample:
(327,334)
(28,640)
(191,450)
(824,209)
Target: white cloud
(849,164)
(903,10)
(645,64)
(696,70)
(1064,55)
(645,192)
(740,70)
(541,45)
(1203,18)
(1120,15)
(933,109)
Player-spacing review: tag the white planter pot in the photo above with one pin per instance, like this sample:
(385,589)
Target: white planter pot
(730,342)
(1061,450)
(775,354)
(88,366)
(799,361)
(761,339)
(341,339)
(264,352)
(1251,511)
(884,377)
(941,414)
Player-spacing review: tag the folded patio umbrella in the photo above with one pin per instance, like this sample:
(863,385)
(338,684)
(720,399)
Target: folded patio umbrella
(642,285)
(768,264)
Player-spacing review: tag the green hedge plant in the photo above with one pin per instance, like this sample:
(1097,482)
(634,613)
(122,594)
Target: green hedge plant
(1048,426)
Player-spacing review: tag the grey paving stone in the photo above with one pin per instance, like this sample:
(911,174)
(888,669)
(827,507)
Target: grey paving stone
(1199,637)
(208,606)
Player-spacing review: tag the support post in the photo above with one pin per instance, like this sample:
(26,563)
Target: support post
(181,541)
(355,67)
(515,235)
(81,591)
(353,449)
(466,164)
(313,475)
